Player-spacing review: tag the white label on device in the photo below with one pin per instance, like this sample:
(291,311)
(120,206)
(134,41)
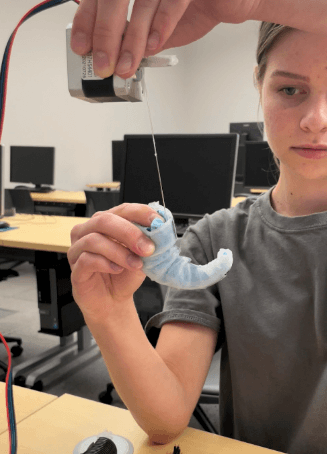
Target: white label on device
(87,68)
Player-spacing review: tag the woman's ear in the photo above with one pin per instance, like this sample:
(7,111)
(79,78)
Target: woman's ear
(255,76)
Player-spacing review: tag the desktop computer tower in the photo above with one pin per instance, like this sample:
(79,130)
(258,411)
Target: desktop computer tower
(59,314)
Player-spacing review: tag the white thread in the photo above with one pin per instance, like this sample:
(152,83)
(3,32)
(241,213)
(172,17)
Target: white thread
(155,153)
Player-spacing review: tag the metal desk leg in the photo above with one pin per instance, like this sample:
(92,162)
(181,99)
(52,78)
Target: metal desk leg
(59,362)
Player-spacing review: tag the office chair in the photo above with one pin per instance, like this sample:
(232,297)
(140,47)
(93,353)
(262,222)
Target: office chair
(209,395)
(16,350)
(22,201)
(100,201)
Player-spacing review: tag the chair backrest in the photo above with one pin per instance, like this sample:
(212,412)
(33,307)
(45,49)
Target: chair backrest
(22,200)
(100,201)
(8,200)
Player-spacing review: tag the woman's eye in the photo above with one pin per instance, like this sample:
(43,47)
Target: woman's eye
(289,91)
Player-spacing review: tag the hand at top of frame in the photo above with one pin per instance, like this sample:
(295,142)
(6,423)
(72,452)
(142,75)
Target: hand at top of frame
(155,25)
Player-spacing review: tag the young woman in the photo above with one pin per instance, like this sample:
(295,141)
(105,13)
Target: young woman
(268,315)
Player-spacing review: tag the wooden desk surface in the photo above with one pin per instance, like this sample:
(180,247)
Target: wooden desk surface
(39,232)
(59,196)
(237,200)
(45,233)
(26,402)
(112,185)
(77,197)
(63,423)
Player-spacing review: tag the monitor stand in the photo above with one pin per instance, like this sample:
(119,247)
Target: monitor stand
(183,223)
(37,188)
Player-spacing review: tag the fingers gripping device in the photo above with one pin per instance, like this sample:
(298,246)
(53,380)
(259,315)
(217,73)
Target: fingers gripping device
(165,266)
(84,84)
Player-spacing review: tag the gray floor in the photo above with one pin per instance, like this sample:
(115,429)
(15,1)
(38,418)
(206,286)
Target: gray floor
(19,317)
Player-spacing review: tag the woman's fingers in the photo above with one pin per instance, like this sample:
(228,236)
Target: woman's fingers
(95,245)
(88,264)
(116,224)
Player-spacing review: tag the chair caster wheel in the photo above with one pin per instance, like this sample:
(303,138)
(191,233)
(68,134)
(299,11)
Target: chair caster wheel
(16,350)
(20,380)
(105,397)
(38,385)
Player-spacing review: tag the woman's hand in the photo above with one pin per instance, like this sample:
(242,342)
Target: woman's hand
(155,25)
(105,258)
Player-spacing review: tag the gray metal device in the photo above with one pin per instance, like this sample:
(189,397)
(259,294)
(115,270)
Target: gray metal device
(84,84)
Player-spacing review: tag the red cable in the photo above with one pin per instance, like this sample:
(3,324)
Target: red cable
(1,129)
(7,385)
(9,53)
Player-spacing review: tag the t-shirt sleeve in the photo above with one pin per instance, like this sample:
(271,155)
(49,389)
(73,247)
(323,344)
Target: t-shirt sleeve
(201,306)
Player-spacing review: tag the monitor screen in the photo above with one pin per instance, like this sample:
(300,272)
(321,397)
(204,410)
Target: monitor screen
(118,159)
(261,170)
(197,172)
(32,165)
(248,131)
(253,131)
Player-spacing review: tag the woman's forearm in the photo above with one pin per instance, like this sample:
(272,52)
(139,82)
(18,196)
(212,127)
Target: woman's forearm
(306,15)
(149,389)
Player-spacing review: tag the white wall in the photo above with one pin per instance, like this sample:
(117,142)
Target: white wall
(209,88)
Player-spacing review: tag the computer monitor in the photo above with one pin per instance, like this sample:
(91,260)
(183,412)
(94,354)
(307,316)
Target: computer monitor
(261,170)
(247,131)
(32,165)
(118,159)
(197,172)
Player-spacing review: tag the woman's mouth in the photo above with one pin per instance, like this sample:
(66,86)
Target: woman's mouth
(311,153)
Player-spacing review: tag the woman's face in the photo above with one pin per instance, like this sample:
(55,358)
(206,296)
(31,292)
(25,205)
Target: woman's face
(295,108)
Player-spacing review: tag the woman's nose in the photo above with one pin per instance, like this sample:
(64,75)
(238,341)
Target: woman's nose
(314,117)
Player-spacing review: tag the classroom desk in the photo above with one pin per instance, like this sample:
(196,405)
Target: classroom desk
(26,403)
(48,237)
(237,200)
(77,197)
(59,196)
(57,427)
(105,186)
(39,232)
(61,203)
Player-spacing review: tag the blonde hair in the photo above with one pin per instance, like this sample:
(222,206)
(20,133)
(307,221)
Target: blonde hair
(269,35)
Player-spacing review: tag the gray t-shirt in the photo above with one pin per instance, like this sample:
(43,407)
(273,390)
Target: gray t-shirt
(271,315)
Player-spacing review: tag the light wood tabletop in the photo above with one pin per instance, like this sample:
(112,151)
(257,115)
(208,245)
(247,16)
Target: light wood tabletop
(39,232)
(77,196)
(59,197)
(26,402)
(258,191)
(59,426)
(44,233)
(112,185)
(237,200)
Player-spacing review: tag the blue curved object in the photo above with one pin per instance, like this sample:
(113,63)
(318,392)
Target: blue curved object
(165,266)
